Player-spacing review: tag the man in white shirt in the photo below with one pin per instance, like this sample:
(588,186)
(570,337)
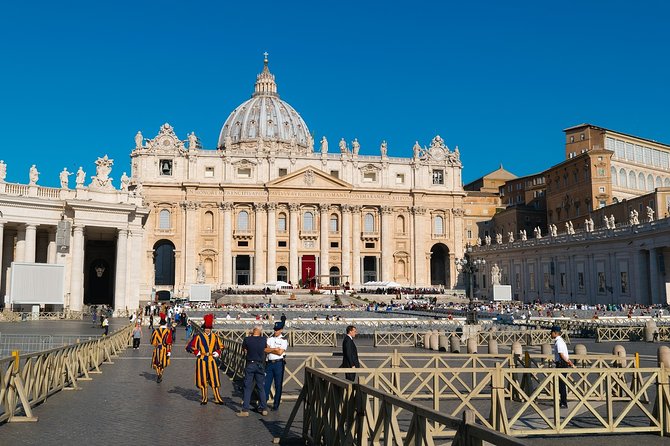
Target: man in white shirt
(562,360)
(276,361)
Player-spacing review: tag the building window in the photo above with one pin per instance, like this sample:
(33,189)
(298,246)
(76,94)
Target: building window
(469,231)
(601,189)
(308,222)
(601,172)
(243,244)
(208,221)
(243,221)
(400,178)
(400,224)
(244,172)
(282,274)
(166,167)
(572,139)
(582,137)
(335,173)
(369,177)
(334,223)
(602,204)
(164,219)
(281,223)
(281,243)
(334,244)
(369,223)
(531,281)
(439,225)
(209,172)
(580,281)
(282,172)
(601,282)
(369,245)
(438,176)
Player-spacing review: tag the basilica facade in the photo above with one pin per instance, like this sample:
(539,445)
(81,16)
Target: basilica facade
(266,205)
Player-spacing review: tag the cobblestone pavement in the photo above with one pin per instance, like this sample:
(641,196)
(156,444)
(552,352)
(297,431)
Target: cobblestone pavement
(124,405)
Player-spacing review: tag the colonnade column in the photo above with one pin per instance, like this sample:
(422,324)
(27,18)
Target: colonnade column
(294,276)
(324,269)
(419,249)
(259,209)
(356,245)
(134,271)
(20,253)
(227,249)
(51,246)
(120,273)
(346,242)
(2,245)
(387,244)
(272,243)
(653,276)
(77,271)
(31,243)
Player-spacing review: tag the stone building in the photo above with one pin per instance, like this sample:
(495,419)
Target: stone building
(100,238)
(265,205)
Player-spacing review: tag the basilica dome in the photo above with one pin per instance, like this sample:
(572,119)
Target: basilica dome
(265,117)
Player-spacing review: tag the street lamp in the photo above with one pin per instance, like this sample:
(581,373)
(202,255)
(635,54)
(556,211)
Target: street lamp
(469,266)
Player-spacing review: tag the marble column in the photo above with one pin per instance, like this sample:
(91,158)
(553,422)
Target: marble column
(2,245)
(134,272)
(77,271)
(346,243)
(31,243)
(120,272)
(189,248)
(51,246)
(259,266)
(20,254)
(653,277)
(294,273)
(356,245)
(272,242)
(324,242)
(419,249)
(227,249)
(387,244)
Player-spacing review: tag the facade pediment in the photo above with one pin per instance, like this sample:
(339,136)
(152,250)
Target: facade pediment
(310,178)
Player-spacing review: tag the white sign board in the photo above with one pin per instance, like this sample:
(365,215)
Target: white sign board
(502,292)
(200,293)
(37,283)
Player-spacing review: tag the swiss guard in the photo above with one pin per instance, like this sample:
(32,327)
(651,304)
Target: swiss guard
(161,339)
(207,347)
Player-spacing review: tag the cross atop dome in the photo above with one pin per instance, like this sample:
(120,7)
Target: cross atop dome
(265,81)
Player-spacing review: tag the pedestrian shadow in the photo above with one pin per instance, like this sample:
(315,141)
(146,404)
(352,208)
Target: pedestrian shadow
(148,376)
(189,394)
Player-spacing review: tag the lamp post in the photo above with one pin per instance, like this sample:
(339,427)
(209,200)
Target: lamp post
(469,266)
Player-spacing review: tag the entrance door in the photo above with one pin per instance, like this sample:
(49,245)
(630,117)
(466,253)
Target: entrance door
(439,265)
(243,270)
(164,262)
(308,271)
(369,269)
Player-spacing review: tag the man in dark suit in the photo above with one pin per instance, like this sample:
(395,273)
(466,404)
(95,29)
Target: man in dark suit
(350,353)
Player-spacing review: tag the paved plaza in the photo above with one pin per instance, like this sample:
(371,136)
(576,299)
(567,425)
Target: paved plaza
(124,405)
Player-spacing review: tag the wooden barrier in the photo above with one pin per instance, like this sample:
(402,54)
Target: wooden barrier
(502,337)
(30,379)
(629,333)
(295,338)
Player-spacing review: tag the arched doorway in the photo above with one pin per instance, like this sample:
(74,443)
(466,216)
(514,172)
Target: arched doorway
(439,265)
(164,262)
(334,276)
(282,274)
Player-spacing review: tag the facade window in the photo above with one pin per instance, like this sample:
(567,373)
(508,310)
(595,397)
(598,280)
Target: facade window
(308,222)
(334,244)
(602,204)
(641,182)
(335,173)
(531,281)
(369,223)
(400,224)
(601,189)
(208,221)
(334,223)
(281,244)
(601,282)
(400,178)
(244,172)
(282,274)
(623,181)
(243,221)
(369,177)
(469,233)
(369,245)
(650,182)
(243,244)
(439,225)
(209,172)
(632,180)
(572,139)
(164,219)
(582,137)
(166,167)
(281,223)
(438,176)
(601,172)
(282,172)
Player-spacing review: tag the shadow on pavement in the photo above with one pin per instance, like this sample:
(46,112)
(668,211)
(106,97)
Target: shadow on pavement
(189,394)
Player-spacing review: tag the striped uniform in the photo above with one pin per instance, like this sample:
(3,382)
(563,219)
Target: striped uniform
(161,339)
(206,370)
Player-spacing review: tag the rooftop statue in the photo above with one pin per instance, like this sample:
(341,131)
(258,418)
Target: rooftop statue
(355,146)
(139,140)
(343,146)
(125,181)
(383,149)
(324,145)
(3,171)
(650,211)
(64,177)
(33,175)
(80,178)
(192,141)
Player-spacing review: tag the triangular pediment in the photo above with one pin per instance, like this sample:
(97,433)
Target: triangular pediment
(309,178)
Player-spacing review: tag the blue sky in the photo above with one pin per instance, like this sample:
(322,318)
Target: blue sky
(501,80)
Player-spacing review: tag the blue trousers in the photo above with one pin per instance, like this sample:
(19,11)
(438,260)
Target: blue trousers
(254,372)
(274,371)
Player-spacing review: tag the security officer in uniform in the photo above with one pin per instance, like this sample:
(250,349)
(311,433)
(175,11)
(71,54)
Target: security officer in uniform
(276,361)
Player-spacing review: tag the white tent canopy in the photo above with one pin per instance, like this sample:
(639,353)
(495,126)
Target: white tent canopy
(278,285)
(386,284)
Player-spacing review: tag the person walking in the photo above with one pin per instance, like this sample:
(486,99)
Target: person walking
(254,372)
(151,322)
(105,325)
(207,347)
(276,362)
(94,316)
(137,335)
(562,361)
(161,339)
(350,353)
